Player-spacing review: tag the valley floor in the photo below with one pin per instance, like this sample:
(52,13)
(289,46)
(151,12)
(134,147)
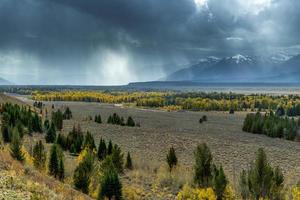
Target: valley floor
(160,130)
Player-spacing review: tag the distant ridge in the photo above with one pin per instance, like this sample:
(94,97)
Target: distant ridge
(4,82)
(240,68)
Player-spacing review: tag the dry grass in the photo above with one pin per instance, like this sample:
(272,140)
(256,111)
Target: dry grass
(160,130)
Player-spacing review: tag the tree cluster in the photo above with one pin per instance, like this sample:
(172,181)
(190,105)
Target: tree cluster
(271,125)
(98,119)
(57,119)
(117,120)
(207,174)
(22,118)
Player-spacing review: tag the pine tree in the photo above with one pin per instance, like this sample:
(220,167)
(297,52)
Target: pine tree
(171,158)
(89,141)
(130,122)
(219,182)
(67,114)
(110,186)
(128,164)
(57,119)
(260,176)
(16,146)
(46,124)
(61,169)
(62,141)
(102,150)
(109,148)
(117,158)
(53,165)
(39,155)
(203,166)
(51,134)
(82,173)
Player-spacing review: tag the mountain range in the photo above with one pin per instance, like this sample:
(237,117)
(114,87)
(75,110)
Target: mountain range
(241,68)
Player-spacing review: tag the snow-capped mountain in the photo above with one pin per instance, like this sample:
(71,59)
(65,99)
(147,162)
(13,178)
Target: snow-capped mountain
(240,68)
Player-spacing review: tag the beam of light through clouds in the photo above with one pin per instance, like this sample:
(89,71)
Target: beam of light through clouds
(115,41)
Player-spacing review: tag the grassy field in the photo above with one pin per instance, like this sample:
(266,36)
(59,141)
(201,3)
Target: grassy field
(160,130)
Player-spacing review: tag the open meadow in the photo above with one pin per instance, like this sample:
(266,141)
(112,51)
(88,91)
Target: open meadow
(160,130)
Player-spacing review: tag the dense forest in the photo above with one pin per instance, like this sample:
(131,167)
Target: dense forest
(196,101)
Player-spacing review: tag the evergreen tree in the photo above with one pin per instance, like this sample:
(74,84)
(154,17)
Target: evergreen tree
(61,169)
(102,150)
(130,121)
(110,186)
(53,165)
(46,124)
(51,134)
(62,141)
(39,155)
(83,172)
(128,164)
(262,180)
(203,166)
(5,127)
(57,119)
(117,158)
(16,146)
(89,141)
(75,140)
(243,185)
(219,182)
(171,158)
(67,114)
(109,148)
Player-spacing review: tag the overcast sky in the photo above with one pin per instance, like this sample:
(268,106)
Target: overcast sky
(93,42)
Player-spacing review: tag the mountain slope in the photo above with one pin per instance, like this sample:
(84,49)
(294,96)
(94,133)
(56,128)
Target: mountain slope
(240,68)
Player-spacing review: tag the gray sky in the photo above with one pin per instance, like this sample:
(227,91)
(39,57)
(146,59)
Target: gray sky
(116,41)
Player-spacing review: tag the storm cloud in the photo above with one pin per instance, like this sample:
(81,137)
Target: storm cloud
(115,41)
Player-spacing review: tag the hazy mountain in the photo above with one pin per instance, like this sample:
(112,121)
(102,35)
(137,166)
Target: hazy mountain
(4,82)
(241,68)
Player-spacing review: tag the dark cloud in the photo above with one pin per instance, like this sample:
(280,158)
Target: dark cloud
(116,41)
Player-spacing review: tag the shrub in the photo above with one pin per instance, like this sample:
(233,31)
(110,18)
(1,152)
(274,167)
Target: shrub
(171,158)
(188,193)
(128,164)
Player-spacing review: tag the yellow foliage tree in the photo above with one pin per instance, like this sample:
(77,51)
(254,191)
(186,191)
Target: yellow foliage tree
(189,193)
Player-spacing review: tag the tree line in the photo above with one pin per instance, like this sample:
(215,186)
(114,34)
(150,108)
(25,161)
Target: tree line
(271,125)
(290,104)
